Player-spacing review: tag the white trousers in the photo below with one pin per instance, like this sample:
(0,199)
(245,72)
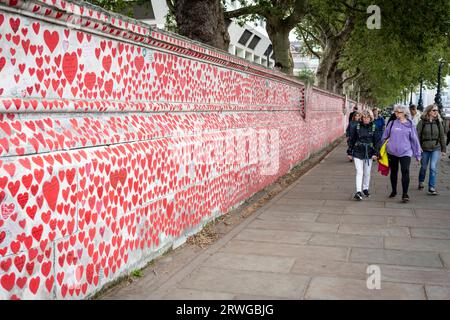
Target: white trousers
(363,168)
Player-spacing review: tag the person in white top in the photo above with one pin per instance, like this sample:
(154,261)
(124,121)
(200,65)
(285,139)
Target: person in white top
(415,114)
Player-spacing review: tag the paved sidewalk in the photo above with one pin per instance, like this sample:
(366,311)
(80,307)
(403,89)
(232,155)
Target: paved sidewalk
(313,241)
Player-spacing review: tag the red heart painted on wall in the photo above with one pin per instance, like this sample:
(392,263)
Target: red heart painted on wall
(7,281)
(106,62)
(51,39)
(51,192)
(70,66)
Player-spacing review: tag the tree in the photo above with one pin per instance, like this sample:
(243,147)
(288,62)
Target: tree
(391,60)
(119,6)
(325,32)
(201,20)
(281,17)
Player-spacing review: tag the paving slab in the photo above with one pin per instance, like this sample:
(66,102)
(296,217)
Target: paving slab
(189,294)
(247,282)
(274,236)
(396,257)
(286,250)
(438,292)
(292,225)
(346,240)
(232,261)
(417,275)
(285,215)
(327,268)
(374,230)
(322,288)
(417,244)
(430,233)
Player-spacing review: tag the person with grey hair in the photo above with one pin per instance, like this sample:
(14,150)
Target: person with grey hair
(430,130)
(403,144)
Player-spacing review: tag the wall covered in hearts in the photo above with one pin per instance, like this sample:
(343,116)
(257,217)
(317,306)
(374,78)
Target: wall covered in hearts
(118,141)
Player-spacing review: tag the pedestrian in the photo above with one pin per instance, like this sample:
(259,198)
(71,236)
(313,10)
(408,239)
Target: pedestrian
(392,117)
(402,145)
(353,123)
(430,130)
(448,133)
(363,147)
(378,120)
(415,115)
(350,117)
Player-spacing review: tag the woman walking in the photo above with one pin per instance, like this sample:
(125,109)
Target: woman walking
(363,147)
(402,145)
(430,130)
(355,119)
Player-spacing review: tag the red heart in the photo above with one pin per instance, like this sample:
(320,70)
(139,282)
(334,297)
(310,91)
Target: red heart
(89,80)
(106,62)
(49,283)
(51,39)
(6,264)
(37,232)
(2,63)
(10,168)
(51,192)
(2,236)
(34,284)
(139,63)
(7,281)
(14,23)
(70,66)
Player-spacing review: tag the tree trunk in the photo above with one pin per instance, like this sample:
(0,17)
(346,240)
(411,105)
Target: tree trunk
(202,20)
(338,86)
(326,63)
(279,36)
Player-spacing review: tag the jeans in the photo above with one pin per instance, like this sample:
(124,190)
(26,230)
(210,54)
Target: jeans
(433,158)
(405,162)
(363,168)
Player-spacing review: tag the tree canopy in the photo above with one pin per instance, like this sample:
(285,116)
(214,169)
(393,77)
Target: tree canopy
(376,64)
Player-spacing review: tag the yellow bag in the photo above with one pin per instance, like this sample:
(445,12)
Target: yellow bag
(383,155)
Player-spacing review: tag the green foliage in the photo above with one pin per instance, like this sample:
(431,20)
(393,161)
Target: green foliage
(412,39)
(170,23)
(307,76)
(137,273)
(119,6)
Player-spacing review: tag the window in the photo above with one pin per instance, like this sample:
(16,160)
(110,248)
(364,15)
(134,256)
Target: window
(245,37)
(143,11)
(254,42)
(268,50)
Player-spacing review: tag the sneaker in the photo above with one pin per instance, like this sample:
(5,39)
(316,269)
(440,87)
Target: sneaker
(405,198)
(421,186)
(432,191)
(358,196)
(366,193)
(393,194)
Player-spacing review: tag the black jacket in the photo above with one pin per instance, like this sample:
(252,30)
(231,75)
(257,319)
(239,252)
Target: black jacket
(364,141)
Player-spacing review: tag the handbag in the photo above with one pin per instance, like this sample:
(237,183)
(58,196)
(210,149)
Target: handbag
(383,162)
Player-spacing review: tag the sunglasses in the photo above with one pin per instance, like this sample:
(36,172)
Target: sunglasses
(435,110)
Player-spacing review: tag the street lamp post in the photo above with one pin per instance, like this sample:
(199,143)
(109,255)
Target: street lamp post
(437,98)
(410,98)
(420,102)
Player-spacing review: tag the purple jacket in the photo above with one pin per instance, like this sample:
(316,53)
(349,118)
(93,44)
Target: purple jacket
(403,140)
